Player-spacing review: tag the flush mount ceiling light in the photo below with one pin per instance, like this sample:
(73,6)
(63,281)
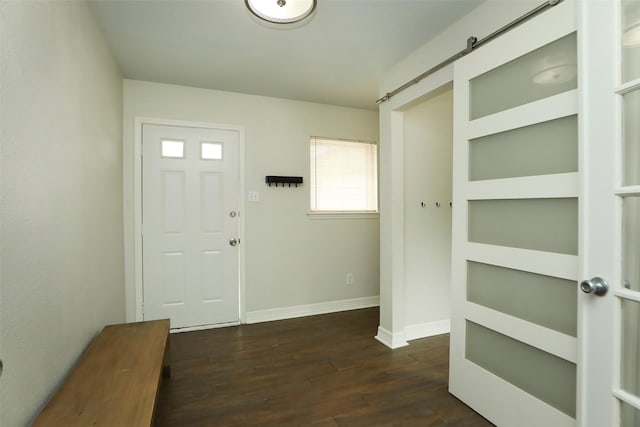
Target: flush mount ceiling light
(281,11)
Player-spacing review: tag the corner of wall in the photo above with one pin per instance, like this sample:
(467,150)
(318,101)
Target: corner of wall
(391,340)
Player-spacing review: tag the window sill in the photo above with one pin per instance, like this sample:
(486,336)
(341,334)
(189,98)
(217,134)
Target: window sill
(343,215)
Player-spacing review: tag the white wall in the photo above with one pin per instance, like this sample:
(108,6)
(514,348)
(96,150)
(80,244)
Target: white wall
(62,274)
(291,260)
(428,142)
(482,21)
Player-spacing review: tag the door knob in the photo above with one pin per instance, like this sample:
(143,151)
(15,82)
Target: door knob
(234,242)
(596,285)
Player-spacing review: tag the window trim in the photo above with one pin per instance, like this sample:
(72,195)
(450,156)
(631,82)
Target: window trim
(343,214)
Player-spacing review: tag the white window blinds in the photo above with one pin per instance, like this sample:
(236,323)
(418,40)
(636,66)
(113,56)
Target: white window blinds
(343,175)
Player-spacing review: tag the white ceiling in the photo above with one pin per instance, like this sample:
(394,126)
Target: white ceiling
(336,58)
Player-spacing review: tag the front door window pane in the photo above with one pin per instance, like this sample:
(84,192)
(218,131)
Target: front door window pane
(172,149)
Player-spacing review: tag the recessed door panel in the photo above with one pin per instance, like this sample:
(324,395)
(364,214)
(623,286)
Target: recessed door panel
(525,295)
(548,225)
(173,209)
(544,148)
(211,193)
(173,278)
(213,276)
(544,72)
(543,375)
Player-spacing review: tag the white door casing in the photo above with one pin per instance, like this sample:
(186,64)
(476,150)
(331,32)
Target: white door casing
(190,214)
(493,387)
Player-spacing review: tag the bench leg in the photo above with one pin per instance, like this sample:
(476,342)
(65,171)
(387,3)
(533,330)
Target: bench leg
(166,364)
(166,371)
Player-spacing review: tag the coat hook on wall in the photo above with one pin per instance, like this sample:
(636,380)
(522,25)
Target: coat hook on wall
(272,179)
(436,204)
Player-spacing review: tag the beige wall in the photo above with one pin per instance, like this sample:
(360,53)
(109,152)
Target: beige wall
(428,145)
(61,174)
(291,259)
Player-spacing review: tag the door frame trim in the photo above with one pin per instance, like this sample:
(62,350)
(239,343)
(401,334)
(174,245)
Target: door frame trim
(134,287)
(392,326)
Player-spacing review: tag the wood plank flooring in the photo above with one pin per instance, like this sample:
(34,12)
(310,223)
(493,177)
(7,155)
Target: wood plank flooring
(325,370)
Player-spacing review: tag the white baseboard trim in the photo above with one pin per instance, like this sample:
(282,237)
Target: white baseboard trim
(311,309)
(429,329)
(390,339)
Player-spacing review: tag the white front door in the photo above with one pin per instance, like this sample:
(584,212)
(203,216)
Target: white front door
(516,237)
(190,202)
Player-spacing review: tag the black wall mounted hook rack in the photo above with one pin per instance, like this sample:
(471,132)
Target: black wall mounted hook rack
(289,180)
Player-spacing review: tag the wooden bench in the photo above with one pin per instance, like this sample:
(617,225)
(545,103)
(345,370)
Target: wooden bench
(116,381)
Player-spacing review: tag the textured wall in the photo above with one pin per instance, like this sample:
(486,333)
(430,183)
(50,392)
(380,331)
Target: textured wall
(61,176)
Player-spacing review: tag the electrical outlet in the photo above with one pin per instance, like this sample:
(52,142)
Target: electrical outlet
(349,279)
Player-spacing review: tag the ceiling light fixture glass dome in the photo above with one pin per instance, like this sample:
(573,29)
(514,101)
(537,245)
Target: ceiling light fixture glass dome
(281,11)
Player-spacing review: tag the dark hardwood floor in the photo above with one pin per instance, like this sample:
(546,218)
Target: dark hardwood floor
(323,370)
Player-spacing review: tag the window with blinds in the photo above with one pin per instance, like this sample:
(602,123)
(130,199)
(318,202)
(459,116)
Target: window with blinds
(344,175)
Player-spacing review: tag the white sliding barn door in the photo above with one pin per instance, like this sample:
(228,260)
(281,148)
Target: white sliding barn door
(514,346)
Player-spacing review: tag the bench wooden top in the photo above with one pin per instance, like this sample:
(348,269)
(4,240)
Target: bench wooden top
(116,380)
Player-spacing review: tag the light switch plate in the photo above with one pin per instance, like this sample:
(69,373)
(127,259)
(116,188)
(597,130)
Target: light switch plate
(254,196)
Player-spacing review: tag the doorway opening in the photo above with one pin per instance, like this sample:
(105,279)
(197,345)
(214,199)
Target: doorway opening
(428,164)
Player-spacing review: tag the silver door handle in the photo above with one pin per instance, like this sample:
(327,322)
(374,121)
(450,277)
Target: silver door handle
(596,285)
(234,242)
